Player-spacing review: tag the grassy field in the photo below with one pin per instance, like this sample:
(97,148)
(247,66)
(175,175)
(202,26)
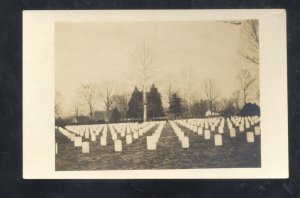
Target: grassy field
(234,153)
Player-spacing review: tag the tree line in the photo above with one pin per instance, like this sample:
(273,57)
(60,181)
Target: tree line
(145,102)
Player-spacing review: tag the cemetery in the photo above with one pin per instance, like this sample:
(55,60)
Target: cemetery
(179,99)
(214,142)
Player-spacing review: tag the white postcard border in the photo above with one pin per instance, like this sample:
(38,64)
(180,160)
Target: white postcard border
(38,93)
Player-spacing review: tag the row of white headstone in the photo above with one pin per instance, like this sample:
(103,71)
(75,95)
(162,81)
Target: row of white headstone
(200,131)
(208,125)
(78,142)
(128,130)
(199,125)
(247,121)
(86,131)
(133,132)
(153,139)
(243,124)
(185,143)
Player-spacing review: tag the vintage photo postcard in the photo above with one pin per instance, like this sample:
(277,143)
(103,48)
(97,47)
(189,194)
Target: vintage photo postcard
(155,94)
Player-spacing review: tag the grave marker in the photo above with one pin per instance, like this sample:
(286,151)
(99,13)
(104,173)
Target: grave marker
(135,135)
(257,130)
(151,144)
(185,142)
(86,134)
(114,136)
(122,133)
(242,128)
(85,147)
(250,137)
(247,125)
(103,141)
(128,139)
(232,132)
(93,137)
(118,145)
(200,131)
(220,129)
(77,141)
(206,134)
(218,140)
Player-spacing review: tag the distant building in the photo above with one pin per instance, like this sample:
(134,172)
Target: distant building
(81,120)
(209,113)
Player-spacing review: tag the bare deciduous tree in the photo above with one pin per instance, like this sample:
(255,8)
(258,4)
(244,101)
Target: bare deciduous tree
(143,70)
(108,97)
(236,99)
(121,103)
(249,75)
(250,35)
(246,79)
(76,110)
(90,94)
(210,93)
(188,81)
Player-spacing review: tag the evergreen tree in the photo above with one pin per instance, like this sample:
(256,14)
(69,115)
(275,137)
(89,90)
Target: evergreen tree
(155,108)
(135,105)
(175,107)
(250,109)
(115,115)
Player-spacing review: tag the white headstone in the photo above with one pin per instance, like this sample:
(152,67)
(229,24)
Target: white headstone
(218,140)
(155,137)
(195,129)
(212,127)
(241,128)
(180,136)
(103,141)
(247,125)
(151,143)
(257,130)
(118,145)
(221,129)
(232,132)
(81,133)
(122,133)
(200,131)
(85,147)
(185,142)
(114,136)
(128,139)
(135,135)
(86,134)
(250,137)
(77,141)
(68,135)
(140,132)
(206,134)
(72,137)
(93,137)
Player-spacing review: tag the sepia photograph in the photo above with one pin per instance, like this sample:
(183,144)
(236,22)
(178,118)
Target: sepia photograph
(157,95)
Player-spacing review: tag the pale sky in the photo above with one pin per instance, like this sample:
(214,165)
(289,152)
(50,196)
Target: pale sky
(97,52)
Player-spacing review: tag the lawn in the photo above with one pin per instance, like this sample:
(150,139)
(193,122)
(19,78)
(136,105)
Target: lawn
(234,153)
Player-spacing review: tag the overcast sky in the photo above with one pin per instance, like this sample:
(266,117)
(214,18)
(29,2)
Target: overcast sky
(97,52)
